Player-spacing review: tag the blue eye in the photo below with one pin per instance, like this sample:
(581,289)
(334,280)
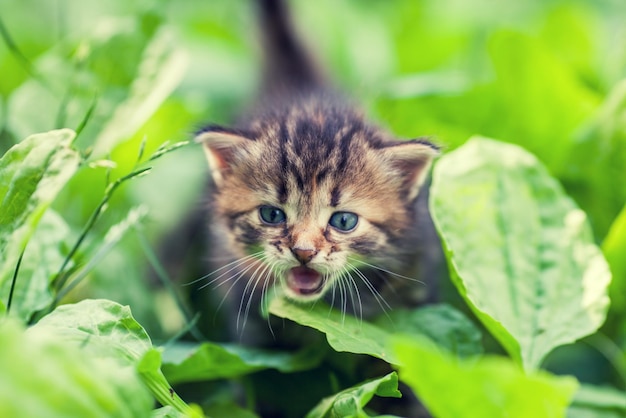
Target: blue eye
(344,221)
(271,215)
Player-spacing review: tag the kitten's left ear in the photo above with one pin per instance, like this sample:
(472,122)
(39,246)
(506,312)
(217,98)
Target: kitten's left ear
(220,145)
(413,160)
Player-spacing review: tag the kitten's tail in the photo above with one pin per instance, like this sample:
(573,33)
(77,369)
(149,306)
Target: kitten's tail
(288,66)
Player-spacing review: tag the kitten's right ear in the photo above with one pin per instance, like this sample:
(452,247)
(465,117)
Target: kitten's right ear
(219,146)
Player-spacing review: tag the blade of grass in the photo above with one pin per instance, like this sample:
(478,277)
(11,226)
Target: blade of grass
(14,281)
(166,281)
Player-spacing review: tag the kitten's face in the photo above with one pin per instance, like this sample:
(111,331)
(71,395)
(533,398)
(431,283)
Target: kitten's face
(313,203)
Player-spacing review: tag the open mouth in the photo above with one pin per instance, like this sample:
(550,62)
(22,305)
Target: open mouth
(304,281)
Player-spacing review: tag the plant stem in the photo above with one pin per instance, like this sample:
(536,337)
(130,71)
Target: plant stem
(14,281)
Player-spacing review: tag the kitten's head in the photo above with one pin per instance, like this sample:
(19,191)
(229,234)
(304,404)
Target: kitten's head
(313,193)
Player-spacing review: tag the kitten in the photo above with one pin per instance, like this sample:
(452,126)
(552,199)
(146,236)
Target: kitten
(309,195)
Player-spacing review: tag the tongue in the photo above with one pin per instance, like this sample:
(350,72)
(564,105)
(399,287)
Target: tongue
(304,280)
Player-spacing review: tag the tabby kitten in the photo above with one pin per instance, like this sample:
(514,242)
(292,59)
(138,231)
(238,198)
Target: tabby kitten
(306,193)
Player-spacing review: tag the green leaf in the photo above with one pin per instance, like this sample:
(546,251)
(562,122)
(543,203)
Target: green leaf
(101,327)
(343,332)
(106,329)
(441,323)
(522,253)
(614,248)
(525,70)
(488,387)
(163,66)
(597,402)
(149,368)
(350,402)
(31,175)
(44,254)
(208,361)
(45,376)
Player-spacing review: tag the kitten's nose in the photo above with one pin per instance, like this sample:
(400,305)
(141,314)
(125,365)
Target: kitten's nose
(303,255)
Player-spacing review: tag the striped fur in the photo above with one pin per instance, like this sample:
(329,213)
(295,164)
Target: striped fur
(313,156)
(308,154)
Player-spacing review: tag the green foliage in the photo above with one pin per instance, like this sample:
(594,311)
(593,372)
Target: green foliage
(94,94)
(485,388)
(350,402)
(45,376)
(522,253)
(31,175)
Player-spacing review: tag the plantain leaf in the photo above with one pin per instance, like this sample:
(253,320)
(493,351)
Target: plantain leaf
(31,175)
(440,323)
(101,327)
(522,253)
(208,361)
(105,329)
(350,402)
(488,387)
(43,375)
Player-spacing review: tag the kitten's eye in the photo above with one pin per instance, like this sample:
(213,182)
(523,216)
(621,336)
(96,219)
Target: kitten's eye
(344,221)
(271,215)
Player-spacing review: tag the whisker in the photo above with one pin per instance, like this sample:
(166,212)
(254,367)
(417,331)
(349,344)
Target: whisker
(358,295)
(256,283)
(252,281)
(386,271)
(262,258)
(377,296)
(238,277)
(237,263)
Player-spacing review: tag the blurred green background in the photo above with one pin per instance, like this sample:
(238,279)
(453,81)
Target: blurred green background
(548,75)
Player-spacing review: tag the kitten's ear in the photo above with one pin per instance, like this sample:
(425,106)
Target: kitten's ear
(219,147)
(413,160)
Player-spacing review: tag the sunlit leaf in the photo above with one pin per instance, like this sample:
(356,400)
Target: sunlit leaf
(522,252)
(100,327)
(31,175)
(43,375)
(350,334)
(489,387)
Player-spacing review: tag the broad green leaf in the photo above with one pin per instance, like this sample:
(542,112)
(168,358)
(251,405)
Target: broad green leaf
(597,402)
(522,253)
(31,175)
(343,332)
(441,323)
(614,248)
(43,375)
(208,361)
(101,327)
(350,402)
(488,387)
(44,255)
(106,329)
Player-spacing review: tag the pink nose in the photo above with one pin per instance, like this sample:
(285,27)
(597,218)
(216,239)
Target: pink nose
(303,255)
